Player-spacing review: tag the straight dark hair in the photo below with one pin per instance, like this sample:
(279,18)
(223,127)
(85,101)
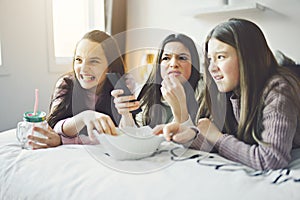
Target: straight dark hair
(151,95)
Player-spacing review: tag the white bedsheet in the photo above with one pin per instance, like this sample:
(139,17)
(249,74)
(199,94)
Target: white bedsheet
(85,172)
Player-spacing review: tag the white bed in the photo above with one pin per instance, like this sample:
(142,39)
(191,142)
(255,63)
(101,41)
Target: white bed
(85,172)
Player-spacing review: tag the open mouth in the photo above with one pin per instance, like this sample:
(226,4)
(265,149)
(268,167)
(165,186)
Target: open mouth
(87,77)
(219,77)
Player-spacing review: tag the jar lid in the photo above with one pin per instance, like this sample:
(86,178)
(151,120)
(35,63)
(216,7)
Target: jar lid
(31,117)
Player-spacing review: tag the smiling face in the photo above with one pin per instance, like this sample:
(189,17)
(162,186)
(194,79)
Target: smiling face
(90,63)
(224,65)
(176,60)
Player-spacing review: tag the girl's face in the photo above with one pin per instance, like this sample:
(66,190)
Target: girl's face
(224,65)
(90,63)
(176,60)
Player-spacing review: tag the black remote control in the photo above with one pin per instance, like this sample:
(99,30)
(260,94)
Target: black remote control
(119,83)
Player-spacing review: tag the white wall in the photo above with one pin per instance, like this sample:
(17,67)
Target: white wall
(280,23)
(24,54)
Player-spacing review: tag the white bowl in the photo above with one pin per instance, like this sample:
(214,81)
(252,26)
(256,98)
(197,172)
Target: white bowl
(131,143)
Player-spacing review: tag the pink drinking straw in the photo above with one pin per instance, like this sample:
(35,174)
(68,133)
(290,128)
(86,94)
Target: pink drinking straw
(36,103)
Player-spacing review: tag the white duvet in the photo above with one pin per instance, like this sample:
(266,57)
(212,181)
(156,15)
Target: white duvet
(86,172)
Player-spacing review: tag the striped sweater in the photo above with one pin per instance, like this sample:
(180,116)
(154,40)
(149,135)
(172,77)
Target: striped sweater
(281,122)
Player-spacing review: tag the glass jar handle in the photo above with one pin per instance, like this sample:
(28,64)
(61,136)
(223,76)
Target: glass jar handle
(21,129)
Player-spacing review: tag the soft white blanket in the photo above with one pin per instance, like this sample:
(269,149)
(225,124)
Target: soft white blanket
(86,172)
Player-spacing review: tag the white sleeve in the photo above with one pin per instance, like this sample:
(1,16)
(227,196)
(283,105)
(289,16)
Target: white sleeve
(188,122)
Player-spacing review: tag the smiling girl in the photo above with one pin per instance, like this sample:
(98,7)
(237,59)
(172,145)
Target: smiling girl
(81,101)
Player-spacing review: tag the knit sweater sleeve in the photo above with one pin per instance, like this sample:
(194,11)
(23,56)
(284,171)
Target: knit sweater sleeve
(279,119)
(65,139)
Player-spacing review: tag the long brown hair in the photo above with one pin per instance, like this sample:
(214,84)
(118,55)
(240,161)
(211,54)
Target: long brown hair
(71,95)
(151,94)
(257,65)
